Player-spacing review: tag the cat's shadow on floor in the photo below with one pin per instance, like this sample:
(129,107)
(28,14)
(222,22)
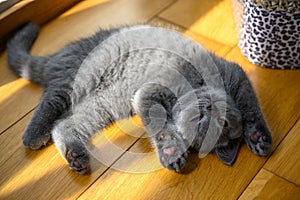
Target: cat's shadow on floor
(192,163)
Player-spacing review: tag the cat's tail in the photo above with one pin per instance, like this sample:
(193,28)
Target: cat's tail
(19,59)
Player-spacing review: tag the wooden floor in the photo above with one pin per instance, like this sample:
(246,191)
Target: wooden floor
(26,174)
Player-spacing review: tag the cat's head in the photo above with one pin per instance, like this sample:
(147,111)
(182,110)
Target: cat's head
(210,121)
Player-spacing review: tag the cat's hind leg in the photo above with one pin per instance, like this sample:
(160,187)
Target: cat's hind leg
(72,132)
(153,103)
(71,145)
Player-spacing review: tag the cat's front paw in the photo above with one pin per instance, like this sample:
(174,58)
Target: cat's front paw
(173,158)
(258,138)
(35,138)
(78,160)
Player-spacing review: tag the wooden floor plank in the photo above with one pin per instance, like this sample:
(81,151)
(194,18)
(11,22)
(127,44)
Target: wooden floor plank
(285,161)
(269,186)
(212,19)
(88,17)
(204,179)
(44,174)
(13,105)
(210,45)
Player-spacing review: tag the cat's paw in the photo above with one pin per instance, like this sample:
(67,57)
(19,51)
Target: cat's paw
(173,158)
(172,151)
(258,138)
(35,138)
(259,143)
(78,161)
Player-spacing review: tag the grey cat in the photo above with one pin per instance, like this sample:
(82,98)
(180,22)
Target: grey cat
(186,97)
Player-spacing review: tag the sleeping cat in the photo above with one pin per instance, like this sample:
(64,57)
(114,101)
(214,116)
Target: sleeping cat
(185,96)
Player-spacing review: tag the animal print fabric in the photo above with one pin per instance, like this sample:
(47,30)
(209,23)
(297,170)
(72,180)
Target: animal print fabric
(270,39)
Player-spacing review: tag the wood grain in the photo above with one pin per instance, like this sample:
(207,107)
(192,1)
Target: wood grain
(285,161)
(78,22)
(208,44)
(13,8)
(269,186)
(203,179)
(212,19)
(44,174)
(13,104)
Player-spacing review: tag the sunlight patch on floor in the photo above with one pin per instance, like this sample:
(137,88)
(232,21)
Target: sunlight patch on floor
(138,162)
(217,22)
(11,88)
(27,176)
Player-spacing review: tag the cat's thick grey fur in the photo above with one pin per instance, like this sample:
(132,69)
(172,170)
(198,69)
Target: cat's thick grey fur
(158,74)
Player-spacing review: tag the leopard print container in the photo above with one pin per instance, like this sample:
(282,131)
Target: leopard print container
(270,38)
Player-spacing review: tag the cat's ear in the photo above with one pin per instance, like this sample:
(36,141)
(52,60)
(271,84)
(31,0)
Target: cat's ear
(228,154)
